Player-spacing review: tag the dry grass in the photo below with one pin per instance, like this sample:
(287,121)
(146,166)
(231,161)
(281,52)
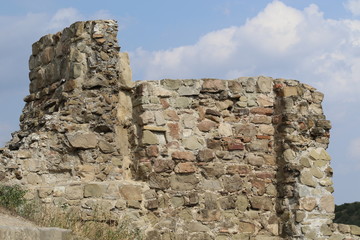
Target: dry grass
(100,226)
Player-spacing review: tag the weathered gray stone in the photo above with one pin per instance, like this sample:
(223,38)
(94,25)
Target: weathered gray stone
(149,138)
(82,140)
(93,190)
(307,179)
(125,70)
(263,203)
(192,143)
(264,84)
(183,182)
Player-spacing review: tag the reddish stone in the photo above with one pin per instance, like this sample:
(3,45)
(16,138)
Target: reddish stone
(206,125)
(213,85)
(171,115)
(165,104)
(201,112)
(237,169)
(174,130)
(161,165)
(262,111)
(265,175)
(259,185)
(263,137)
(152,151)
(302,126)
(187,156)
(186,167)
(234,144)
(246,139)
(278,86)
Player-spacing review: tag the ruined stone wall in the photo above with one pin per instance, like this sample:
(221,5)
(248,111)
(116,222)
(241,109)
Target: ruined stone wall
(179,159)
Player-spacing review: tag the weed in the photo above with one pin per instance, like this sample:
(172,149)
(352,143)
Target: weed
(12,197)
(100,227)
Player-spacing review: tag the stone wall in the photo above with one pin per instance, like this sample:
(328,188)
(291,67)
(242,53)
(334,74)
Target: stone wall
(179,159)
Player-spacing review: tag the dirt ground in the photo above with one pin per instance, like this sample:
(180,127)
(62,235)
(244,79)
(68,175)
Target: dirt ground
(8,219)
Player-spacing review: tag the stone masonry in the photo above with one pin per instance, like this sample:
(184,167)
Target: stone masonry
(191,159)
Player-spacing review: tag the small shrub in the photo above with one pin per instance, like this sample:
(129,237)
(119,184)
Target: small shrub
(12,197)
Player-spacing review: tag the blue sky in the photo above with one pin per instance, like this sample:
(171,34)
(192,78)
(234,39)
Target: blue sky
(316,42)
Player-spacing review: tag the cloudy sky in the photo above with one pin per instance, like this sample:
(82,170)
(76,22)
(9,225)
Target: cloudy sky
(314,41)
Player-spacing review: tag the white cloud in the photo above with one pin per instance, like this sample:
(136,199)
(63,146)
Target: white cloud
(280,41)
(102,14)
(64,17)
(353,6)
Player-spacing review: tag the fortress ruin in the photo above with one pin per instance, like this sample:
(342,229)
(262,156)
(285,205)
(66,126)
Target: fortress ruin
(191,159)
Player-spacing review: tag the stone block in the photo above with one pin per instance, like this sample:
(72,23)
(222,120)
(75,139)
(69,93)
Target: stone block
(131,192)
(211,185)
(248,130)
(183,182)
(262,111)
(289,91)
(47,55)
(327,204)
(192,143)
(307,179)
(308,203)
(264,84)
(157,181)
(74,192)
(163,165)
(255,160)
(246,227)
(152,151)
(344,228)
(205,155)
(213,85)
(261,203)
(225,130)
(94,190)
(182,155)
(238,169)
(82,140)
(206,215)
(125,70)
(174,130)
(187,167)
(355,230)
(206,125)
(149,138)
(232,183)
(171,84)
(106,147)
(182,102)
